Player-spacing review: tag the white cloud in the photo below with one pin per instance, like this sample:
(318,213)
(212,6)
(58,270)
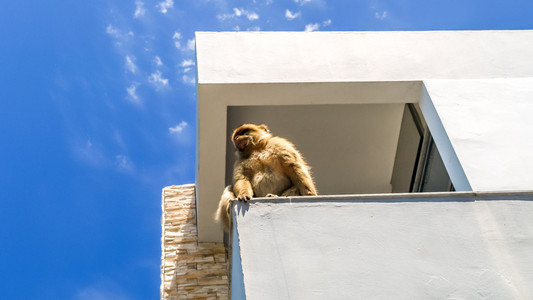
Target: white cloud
(165,5)
(157,79)
(89,153)
(252,16)
(120,36)
(123,163)
(255,28)
(132,92)
(187,63)
(112,31)
(382,16)
(157,61)
(312,27)
(223,17)
(291,16)
(118,139)
(178,128)
(238,12)
(189,79)
(139,9)
(326,23)
(103,289)
(130,65)
(302,2)
(191,44)
(176,37)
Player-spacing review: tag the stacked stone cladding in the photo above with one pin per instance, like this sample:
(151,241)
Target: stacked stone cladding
(189,270)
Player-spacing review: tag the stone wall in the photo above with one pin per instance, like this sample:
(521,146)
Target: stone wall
(189,270)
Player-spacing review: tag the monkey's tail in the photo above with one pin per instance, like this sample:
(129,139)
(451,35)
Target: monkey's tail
(223,215)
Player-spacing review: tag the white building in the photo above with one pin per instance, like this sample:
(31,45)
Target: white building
(421,148)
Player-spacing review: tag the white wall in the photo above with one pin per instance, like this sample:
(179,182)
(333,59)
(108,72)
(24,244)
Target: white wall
(490,127)
(275,57)
(437,247)
(477,84)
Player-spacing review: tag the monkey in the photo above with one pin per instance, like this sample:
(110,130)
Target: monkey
(266,166)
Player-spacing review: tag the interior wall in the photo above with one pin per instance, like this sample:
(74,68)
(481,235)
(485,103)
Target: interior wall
(350,148)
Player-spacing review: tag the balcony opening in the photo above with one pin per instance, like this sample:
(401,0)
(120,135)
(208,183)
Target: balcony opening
(353,148)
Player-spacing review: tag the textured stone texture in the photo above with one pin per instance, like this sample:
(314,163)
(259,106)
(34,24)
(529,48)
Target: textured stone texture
(189,270)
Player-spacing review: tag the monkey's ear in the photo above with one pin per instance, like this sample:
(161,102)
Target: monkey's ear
(264,127)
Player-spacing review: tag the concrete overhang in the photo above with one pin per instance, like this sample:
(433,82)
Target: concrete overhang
(447,74)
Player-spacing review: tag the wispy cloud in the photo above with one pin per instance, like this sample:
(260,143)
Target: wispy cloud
(191,44)
(302,2)
(312,27)
(139,9)
(177,37)
(381,16)
(190,80)
(89,153)
(157,79)
(165,5)
(124,163)
(249,15)
(238,12)
(132,93)
(316,26)
(104,289)
(157,61)
(291,16)
(178,128)
(187,63)
(130,65)
(112,31)
(121,37)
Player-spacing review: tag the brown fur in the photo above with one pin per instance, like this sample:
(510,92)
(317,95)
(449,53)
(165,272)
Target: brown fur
(267,166)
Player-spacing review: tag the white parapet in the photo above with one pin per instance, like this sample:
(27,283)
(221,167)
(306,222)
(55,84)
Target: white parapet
(432,246)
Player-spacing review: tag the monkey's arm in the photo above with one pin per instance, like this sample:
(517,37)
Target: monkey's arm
(242,187)
(301,178)
(297,170)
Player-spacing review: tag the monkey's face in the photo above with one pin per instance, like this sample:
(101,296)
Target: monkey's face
(248,135)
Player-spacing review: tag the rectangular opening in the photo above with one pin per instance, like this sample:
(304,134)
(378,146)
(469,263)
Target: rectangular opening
(352,148)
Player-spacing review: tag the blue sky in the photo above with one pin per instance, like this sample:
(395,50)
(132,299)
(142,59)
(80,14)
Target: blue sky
(97,115)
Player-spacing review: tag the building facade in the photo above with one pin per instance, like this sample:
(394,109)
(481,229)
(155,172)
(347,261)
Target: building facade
(422,138)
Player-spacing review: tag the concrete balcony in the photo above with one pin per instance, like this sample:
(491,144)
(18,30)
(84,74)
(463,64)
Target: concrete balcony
(460,245)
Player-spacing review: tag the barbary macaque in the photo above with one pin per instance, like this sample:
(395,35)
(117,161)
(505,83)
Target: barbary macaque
(266,166)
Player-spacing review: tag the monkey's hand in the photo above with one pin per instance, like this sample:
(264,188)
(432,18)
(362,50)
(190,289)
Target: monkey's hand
(244,197)
(271,195)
